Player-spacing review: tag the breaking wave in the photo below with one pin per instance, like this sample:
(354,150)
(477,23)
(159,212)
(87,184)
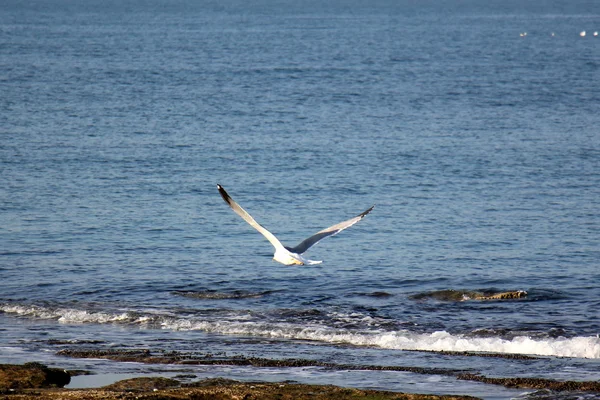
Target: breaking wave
(74,316)
(576,347)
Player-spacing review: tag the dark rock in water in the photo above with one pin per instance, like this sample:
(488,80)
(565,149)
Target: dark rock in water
(79,372)
(32,376)
(514,294)
(464,295)
(535,383)
(381,294)
(185,376)
(135,355)
(214,295)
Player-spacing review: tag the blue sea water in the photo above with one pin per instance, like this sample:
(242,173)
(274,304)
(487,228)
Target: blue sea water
(478,144)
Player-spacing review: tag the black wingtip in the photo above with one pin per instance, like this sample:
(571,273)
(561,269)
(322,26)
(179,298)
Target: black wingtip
(224,194)
(362,215)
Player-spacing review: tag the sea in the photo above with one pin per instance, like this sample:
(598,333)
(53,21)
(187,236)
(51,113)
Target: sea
(472,126)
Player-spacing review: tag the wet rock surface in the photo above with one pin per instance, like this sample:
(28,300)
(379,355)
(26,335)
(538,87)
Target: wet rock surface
(465,295)
(536,383)
(31,375)
(219,389)
(142,384)
(145,356)
(36,381)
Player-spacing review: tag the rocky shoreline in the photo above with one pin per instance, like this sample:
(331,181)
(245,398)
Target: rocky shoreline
(148,357)
(34,381)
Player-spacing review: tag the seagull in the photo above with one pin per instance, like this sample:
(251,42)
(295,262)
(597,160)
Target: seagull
(290,255)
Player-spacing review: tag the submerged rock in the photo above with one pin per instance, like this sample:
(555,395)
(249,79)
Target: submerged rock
(464,295)
(535,383)
(516,294)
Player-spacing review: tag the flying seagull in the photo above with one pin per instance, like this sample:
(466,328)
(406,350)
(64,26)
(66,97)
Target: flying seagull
(290,255)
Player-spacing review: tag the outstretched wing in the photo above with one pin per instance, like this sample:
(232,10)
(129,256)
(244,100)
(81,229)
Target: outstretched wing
(248,218)
(332,230)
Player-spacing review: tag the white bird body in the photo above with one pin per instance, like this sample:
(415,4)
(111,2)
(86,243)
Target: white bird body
(286,257)
(293,255)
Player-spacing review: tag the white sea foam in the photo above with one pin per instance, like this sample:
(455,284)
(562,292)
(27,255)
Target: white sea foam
(65,315)
(577,347)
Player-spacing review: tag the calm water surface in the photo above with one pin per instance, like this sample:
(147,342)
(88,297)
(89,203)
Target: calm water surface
(480,148)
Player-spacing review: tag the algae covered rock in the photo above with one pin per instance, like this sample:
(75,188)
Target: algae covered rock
(144,384)
(466,295)
(32,376)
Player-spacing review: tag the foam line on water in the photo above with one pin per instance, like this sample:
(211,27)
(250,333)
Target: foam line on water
(577,347)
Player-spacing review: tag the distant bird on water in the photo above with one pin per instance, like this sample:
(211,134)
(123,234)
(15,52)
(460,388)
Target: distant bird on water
(290,255)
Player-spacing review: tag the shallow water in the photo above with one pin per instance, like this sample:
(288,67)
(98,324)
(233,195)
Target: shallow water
(479,147)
